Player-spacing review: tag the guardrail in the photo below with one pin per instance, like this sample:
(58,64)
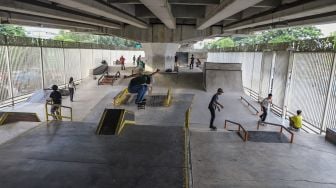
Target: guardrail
(281,128)
(240,127)
(249,104)
(60,116)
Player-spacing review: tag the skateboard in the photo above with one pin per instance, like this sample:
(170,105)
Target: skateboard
(142,105)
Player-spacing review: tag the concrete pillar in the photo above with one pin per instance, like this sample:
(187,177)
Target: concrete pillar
(159,55)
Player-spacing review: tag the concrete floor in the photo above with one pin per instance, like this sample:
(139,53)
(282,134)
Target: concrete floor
(151,154)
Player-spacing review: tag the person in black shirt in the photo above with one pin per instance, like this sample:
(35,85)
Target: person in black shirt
(56,99)
(139,84)
(213,105)
(192,59)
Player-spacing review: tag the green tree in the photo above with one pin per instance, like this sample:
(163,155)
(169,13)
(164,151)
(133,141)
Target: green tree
(220,43)
(99,39)
(12,30)
(282,35)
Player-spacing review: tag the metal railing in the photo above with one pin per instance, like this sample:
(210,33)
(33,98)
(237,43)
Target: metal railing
(120,98)
(187,118)
(281,128)
(188,177)
(240,127)
(254,95)
(249,104)
(168,99)
(58,115)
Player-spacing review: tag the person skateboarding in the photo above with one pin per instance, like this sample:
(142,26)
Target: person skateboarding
(213,105)
(138,85)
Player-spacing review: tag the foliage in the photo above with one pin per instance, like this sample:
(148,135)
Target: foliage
(282,35)
(221,43)
(270,36)
(12,30)
(99,39)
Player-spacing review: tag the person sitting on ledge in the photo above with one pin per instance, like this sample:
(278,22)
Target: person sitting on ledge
(295,122)
(139,84)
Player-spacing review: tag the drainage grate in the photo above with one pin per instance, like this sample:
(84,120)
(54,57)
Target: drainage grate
(267,137)
(152,100)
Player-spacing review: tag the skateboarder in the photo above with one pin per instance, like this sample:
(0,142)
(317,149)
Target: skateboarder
(213,105)
(56,99)
(264,107)
(139,85)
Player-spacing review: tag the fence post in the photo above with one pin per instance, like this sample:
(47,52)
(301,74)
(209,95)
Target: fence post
(326,107)
(288,83)
(11,92)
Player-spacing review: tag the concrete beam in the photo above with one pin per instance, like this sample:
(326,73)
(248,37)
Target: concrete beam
(41,21)
(299,11)
(97,8)
(161,9)
(226,9)
(180,2)
(268,4)
(188,11)
(26,8)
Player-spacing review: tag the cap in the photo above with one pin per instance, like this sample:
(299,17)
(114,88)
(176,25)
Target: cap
(220,90)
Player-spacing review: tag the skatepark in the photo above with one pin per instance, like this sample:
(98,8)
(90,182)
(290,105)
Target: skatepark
(158,150)
(108,136)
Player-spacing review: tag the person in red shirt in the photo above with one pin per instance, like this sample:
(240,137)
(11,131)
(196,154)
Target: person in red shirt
(122,62)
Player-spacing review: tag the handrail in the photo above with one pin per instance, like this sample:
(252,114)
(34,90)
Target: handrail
(239,127)
(168,99)
(58,117)
(120,97)
(281,128)
(187,118)
(100,78)
(249,104)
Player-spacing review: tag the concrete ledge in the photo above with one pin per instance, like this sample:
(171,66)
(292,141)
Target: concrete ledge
(331,135)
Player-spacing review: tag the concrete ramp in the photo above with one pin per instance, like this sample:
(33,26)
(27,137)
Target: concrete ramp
(193,80)
(227,76)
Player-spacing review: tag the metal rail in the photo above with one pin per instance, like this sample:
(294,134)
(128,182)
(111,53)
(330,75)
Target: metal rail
(281,128)
(60,116)
(240,127)
(249,104)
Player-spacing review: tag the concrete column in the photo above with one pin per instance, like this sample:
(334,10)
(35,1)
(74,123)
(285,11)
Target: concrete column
(159,55)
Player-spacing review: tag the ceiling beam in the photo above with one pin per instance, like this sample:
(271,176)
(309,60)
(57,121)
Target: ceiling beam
(42,21)
(226,9)
(100,9)
(180,2)
(161,9)
(26,8)
(294,12)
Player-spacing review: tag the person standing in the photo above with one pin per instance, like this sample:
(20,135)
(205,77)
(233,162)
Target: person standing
(122,63)
(56,99)
(213,105)
(138,60)
(264,106)
(192,59)
(134,58)
(72,88)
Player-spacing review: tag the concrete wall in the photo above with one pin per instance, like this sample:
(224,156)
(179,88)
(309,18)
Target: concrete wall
(159,55)
(227,76)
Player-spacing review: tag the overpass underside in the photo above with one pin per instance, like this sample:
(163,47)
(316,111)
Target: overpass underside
(172,21)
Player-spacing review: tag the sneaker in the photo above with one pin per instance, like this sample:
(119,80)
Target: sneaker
(213,128)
